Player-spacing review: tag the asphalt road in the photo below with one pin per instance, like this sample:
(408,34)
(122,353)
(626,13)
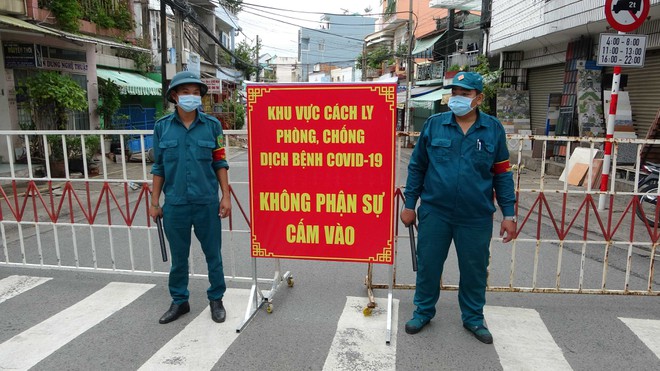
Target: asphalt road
(80,320)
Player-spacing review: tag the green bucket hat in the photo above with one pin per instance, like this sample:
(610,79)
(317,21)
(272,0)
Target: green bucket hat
(182,78)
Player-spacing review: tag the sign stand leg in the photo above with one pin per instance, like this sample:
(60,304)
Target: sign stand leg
(388,334)
(258,298)
(370,290)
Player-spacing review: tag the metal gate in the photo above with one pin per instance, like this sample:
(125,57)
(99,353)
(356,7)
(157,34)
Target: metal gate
(617,246)
(97,220)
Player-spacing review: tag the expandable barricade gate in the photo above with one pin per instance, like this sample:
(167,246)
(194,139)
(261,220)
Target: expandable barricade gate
(97,220)
(616,247)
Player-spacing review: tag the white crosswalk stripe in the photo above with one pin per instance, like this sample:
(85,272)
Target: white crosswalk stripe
(647,330)
(16,285)
(38,342)
(201,344)
(522,340)
(359,343)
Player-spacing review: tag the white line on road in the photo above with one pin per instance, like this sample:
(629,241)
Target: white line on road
(201,344)
(34,344)
(522,340)
(648,330)
(16,285)
(359,342)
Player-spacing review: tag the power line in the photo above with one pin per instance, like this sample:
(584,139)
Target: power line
(295,25)
(184,7)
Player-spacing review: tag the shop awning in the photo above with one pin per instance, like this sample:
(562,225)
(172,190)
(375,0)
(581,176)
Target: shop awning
(131,83)
(432,96)
(416,91)
(422,45)
(17,23)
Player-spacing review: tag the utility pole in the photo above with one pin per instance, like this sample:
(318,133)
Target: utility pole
(409,72)
(163,51)
(485,24)
(256,57)
(178,39)
(364,61)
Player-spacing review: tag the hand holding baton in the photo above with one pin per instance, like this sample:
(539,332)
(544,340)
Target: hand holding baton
(161,238)
(413,248)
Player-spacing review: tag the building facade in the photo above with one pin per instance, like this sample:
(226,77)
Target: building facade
(337,42)
(543,45)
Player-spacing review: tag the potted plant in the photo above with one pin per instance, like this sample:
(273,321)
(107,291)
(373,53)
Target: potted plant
(74,153)
(452,71)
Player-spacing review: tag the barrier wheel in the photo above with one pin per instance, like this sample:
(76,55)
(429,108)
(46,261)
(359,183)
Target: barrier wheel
(367,311)
(269,308)
(289,281)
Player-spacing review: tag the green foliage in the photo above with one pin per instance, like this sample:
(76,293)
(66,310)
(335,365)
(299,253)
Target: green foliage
(234,105)
(99,14)
(143,60)
(454,67)
(245,53)
(73,146)
(123,18)
(109,101)
(161,113)
(51,96)
(491,81)
(390,10)
(402,50)
(375,58)
(67,12)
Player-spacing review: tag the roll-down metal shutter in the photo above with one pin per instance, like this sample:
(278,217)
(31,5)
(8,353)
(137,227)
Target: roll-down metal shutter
(541,82)
(644,91)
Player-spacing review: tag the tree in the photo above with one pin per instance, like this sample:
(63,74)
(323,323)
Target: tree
(375,58)
(109,101)
(245,54)
(52,96)
(491,82)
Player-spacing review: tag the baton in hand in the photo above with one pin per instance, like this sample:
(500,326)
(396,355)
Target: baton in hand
(161,238)
(413,248)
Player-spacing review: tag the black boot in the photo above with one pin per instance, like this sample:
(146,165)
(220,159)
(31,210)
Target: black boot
(175,311)
(218,312)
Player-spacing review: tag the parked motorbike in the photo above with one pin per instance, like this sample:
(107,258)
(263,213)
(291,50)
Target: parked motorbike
(648,188)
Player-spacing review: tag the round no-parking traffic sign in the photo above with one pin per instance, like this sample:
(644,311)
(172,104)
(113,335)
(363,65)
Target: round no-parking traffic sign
(626,15)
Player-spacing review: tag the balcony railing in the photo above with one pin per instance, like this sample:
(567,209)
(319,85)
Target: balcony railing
(464,59)
(430,71)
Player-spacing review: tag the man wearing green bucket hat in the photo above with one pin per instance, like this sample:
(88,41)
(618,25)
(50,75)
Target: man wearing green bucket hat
(460,162)
(189,163)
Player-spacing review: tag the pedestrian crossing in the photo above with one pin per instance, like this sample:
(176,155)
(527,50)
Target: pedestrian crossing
(523,340)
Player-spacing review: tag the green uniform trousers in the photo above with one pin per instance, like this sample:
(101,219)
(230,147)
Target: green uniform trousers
(472,249)
(177,223)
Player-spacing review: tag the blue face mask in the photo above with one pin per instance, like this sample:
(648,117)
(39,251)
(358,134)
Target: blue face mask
(461,106)
(189,103)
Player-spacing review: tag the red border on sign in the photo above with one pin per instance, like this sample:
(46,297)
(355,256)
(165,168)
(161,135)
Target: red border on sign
(609,15)
(321,171)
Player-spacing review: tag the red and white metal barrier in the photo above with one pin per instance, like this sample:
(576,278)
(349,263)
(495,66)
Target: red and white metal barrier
(612,251)
(97,220)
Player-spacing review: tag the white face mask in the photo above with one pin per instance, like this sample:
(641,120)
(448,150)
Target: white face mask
(460,105)
(189,103)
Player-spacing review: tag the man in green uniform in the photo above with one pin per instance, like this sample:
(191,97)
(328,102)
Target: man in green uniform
(189,162)
(461,157)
